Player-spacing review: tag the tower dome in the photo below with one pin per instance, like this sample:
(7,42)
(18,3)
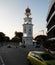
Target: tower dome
(27,12)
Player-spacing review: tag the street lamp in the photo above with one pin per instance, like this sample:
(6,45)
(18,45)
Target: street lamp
(42,31)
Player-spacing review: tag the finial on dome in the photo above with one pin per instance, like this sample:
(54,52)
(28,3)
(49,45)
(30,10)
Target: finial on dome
(27,12)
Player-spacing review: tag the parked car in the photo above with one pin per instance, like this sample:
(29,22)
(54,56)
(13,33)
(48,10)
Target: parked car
(40,58)
(23,46)
(9,46)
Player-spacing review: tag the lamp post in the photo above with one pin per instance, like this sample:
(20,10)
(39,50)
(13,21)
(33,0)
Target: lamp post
(42,31)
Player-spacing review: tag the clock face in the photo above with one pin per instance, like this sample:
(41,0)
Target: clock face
(29,20)
(30,32)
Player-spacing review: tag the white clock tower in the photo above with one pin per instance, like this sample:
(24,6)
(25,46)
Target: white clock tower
(27,29)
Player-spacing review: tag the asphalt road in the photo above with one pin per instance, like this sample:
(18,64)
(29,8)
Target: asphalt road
(14,56)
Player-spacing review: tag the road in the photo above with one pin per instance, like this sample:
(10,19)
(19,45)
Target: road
(14,56)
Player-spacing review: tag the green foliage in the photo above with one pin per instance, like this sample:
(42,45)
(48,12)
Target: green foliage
(2,37)
(17,37)
(41,38)
(19,34)
(7,39)
(15,40)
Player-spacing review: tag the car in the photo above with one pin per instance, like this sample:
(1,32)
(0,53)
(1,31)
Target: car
(40,58)
(23,46)
(9,46)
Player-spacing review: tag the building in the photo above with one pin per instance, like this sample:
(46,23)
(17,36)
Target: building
(51,21)
(27,29)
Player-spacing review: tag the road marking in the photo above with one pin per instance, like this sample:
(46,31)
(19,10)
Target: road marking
(2,61)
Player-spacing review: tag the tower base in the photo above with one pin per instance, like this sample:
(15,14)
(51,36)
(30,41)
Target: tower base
(27,41)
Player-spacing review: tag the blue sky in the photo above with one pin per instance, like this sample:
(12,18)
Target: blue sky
(12,14)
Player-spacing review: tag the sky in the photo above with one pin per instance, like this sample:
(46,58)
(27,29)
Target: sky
(12,14)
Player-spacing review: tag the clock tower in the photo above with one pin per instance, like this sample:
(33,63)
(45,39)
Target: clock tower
(27,29)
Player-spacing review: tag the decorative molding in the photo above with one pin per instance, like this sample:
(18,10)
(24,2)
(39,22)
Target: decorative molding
(51,18)
(50,29)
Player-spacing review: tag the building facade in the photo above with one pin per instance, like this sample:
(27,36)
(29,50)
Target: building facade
(27,29)
(51,21)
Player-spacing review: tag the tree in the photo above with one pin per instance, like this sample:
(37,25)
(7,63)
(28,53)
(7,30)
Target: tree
(17,37)
(2,37)
(41,39)
(49,44)
(7,39)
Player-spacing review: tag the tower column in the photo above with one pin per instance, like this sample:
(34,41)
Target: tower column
(27,29)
